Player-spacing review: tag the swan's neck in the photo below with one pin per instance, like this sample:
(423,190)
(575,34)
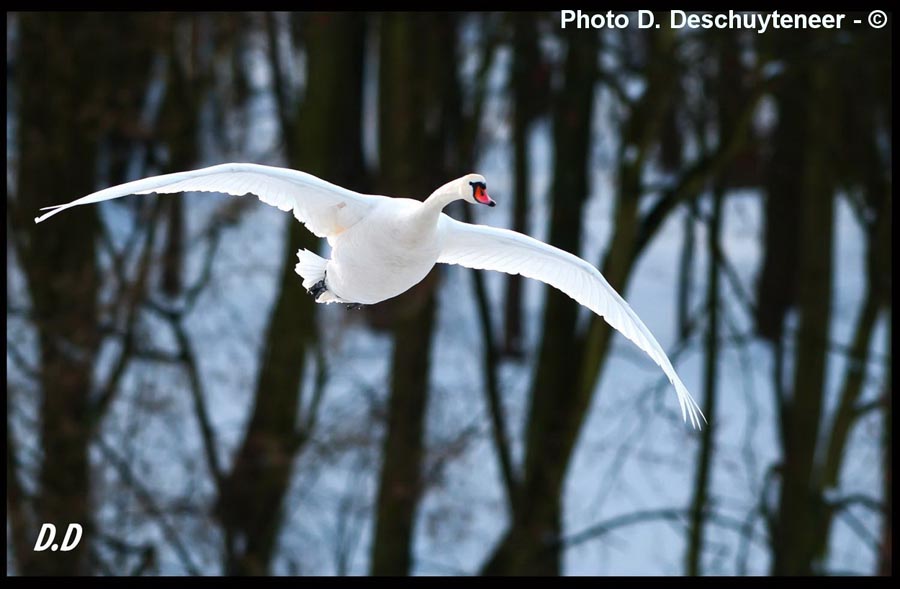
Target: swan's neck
(439,199)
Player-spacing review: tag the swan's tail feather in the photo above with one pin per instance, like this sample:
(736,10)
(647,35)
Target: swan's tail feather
(329,297)
(311,267)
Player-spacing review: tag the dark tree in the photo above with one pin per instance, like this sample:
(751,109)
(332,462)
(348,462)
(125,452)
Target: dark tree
(73,94)
(323,138)
(417,57)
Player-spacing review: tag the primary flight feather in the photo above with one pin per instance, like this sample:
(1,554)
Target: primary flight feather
(382,246)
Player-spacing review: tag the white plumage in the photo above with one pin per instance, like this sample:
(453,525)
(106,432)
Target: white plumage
(383,246)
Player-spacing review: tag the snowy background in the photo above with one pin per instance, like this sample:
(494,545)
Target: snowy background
(633,455)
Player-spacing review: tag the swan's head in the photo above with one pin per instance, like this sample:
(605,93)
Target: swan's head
(473,188)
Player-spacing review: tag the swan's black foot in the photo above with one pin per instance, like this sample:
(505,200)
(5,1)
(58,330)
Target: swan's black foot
(317,289)
(353,306)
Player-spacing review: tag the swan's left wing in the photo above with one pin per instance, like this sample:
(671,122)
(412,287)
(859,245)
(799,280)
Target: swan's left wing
(325,208)
(491,248)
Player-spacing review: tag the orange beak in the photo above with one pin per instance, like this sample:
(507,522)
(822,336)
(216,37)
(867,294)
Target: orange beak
(481,196)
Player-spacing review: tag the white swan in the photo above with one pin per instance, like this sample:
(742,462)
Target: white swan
(382,246)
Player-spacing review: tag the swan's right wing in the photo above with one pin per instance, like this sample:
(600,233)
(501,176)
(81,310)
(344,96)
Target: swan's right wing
(491,248)
(325,208)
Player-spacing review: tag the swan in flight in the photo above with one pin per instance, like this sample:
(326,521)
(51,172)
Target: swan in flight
(382,246)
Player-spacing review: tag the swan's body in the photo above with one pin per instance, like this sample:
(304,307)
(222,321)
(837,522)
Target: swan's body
(382,246)
(384,254)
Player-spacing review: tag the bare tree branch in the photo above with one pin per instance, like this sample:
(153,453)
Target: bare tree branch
(146,499)
(138,289)
(197,395)
(677,515)
(22,363)
(492,390)
(318,392)
(691,181)
(598,530)
(853,522)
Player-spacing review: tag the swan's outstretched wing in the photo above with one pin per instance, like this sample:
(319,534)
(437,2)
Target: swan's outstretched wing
(491,248)
(326,209)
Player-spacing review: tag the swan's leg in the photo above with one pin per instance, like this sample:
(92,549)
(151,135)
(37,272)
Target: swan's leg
(318,289)
(313,269)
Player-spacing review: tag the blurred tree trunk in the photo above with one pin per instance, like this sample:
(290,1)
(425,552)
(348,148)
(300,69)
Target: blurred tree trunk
(814,456)
(876,298)
(525,549)
(187,82)
(671,156)
(777,283)
(686,274)
(795,529)
(73,92)
(528,84)
(729,88)
(417,77)
(325,141)
(711,361)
